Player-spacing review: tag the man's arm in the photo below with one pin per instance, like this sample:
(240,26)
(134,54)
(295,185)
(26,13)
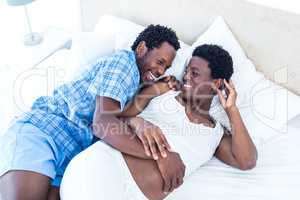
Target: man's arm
(117,134)
(147,93)
(152,138)
(113,131)
(169,163)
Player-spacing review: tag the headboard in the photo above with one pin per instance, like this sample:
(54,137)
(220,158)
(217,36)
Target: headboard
(271,38)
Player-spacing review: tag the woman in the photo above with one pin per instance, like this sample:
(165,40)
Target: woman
(102,172)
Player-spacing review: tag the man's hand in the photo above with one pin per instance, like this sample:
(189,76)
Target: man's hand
(153,139)
(165,84)
(172,170)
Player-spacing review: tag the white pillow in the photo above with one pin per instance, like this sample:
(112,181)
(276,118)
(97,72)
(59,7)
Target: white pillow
(86,48)
(219,33)
(123,30)
(273,104)
(89,46)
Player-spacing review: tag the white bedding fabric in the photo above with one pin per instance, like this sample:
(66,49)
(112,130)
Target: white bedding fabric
(21,86)
(276,176)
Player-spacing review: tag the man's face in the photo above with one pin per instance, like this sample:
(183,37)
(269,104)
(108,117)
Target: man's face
(197,81)
(153,63)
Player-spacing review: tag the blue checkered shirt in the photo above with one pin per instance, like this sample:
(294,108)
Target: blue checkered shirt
(67,114)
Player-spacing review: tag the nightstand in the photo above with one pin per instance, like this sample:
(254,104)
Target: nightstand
(24,57)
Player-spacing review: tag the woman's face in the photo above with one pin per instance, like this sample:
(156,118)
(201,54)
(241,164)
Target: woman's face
(197,80)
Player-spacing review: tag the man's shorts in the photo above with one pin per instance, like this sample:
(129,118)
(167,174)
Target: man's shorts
(25,147)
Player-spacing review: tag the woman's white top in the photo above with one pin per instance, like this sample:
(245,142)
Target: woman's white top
(195,143)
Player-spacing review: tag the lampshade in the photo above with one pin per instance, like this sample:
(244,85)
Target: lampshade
(18,2)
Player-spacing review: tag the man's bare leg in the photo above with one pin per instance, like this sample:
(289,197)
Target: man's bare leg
(53,193)
(24,185)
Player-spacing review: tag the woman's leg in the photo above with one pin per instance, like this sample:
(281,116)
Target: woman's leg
(24,185)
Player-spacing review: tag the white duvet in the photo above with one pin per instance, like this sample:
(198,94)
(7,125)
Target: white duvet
(276,176)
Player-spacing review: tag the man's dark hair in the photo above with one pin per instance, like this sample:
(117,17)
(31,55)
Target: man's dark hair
(219,60)
(155,35)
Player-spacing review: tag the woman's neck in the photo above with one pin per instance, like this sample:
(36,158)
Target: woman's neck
(197,107)
(197,111)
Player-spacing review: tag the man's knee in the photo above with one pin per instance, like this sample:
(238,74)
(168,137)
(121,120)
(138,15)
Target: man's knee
(24,185)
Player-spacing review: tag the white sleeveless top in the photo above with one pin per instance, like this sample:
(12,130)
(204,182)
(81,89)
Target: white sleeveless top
(195,143)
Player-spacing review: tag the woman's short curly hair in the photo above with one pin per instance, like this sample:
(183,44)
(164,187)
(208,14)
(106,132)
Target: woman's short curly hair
(220,62)
(155,35)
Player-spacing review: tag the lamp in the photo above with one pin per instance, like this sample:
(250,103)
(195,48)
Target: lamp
(31,38)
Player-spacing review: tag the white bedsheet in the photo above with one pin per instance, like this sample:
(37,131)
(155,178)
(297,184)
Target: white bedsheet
(276,176)
(20,87)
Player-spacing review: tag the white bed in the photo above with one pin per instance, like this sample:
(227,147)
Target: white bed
(277,174)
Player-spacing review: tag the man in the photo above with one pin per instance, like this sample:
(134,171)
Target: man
(39,144)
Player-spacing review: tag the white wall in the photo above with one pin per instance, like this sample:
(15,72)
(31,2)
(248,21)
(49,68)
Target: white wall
(285,5)
(43,13)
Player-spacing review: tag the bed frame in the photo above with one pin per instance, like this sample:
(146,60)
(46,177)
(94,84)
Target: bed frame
(271,38)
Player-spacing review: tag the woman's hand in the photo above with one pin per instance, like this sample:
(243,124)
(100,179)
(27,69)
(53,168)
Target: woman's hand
(153,139)
(236,149)
(229,101)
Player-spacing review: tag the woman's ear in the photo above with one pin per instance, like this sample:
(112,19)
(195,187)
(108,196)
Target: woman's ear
(218,83)
(141,49)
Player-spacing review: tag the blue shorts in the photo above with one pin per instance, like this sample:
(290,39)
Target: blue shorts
(25,147)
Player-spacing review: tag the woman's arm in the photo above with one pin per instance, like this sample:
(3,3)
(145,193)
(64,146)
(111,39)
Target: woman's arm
(238,148)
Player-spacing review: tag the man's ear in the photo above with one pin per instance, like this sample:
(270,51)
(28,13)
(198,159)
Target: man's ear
(141,49)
